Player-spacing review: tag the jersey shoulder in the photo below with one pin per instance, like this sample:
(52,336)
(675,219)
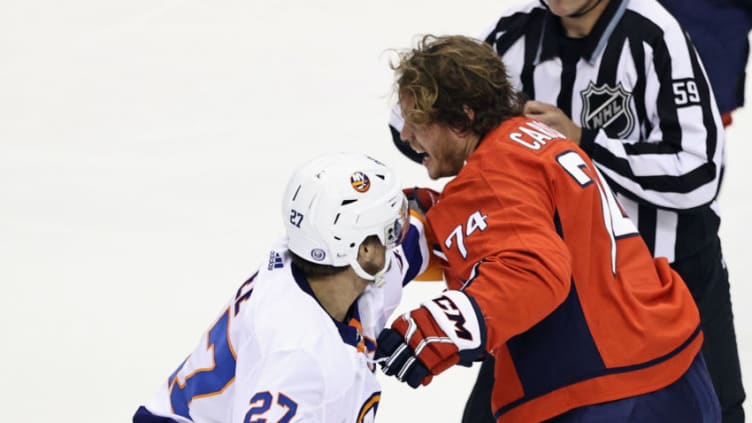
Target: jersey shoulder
(514,22)
(288,322)
(518,15)
(521,152)
(648,20)
(517,141)
(282,312)
(283,315)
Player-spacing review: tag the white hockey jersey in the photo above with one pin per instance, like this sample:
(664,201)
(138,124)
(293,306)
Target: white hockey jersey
(275,354)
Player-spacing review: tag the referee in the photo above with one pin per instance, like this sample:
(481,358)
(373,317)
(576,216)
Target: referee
(620,78)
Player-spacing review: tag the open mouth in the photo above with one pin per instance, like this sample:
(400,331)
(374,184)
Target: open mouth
(421,157)
(407,150)
(420,154)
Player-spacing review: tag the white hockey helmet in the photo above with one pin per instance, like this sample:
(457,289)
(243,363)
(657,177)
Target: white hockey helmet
(334,202)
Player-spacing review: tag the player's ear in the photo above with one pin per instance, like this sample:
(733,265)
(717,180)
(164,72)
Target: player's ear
(469,112)
(371,254)
(367,248)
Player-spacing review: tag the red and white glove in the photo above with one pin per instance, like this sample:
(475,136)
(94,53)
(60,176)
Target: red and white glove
(424,342)
(421,200)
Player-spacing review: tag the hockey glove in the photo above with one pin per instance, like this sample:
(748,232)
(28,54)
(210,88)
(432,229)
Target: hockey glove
(421,200)
(424,342)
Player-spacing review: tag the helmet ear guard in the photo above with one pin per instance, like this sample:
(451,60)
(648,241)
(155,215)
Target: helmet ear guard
(334,202)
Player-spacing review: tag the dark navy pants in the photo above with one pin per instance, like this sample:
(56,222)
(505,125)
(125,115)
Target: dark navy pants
(691,399)
(708,280)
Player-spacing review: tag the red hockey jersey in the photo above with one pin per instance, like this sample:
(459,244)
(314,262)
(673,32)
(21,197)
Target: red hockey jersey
(577,311)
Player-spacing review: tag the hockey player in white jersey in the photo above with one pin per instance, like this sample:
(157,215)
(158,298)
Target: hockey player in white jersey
(295,342)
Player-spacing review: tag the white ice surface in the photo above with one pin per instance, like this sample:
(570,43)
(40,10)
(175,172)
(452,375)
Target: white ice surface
(143,149)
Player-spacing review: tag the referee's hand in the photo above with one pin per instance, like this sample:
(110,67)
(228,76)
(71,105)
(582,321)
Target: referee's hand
(553,117)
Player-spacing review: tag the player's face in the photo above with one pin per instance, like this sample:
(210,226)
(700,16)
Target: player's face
(444,152)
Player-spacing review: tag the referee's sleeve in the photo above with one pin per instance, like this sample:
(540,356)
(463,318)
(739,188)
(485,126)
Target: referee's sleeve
(677,164)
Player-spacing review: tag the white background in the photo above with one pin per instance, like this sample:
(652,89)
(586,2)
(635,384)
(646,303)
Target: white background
(143,149)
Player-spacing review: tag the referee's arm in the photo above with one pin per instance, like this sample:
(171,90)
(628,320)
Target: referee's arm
(677,163)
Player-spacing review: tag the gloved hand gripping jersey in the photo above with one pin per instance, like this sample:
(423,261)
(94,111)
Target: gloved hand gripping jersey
(424,342)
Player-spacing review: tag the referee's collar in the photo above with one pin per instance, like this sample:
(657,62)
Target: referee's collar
(595,42)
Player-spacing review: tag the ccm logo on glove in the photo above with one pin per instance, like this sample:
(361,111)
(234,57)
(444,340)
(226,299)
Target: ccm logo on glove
(455,315)
(424,342)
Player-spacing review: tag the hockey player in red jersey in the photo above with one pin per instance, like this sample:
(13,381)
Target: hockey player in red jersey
(545,272)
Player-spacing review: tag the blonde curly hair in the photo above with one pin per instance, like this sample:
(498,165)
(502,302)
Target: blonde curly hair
(445,75)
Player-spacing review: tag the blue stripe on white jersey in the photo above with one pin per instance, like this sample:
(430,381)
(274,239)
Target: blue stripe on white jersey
(414,250)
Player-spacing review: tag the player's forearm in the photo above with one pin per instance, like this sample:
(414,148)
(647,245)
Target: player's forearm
(678,175)
(517,291)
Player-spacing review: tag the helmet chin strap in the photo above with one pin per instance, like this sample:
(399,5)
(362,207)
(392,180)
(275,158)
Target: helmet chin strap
(378,277)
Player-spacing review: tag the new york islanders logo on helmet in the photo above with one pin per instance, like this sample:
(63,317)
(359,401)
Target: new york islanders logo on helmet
(360,182)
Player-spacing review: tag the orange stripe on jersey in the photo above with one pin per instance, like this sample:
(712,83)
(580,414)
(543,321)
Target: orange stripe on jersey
(356,324)
(211,394)
(370,404)
(361,347)
(434,271)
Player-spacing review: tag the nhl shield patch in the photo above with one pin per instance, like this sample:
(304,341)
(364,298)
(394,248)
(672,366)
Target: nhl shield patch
(607,107)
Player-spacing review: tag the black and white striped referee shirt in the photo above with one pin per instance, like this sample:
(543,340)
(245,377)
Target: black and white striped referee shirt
(649,120)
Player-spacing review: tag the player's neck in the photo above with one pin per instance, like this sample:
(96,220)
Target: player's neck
(469,140)
(581,26)
(472,143)
(337,293)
